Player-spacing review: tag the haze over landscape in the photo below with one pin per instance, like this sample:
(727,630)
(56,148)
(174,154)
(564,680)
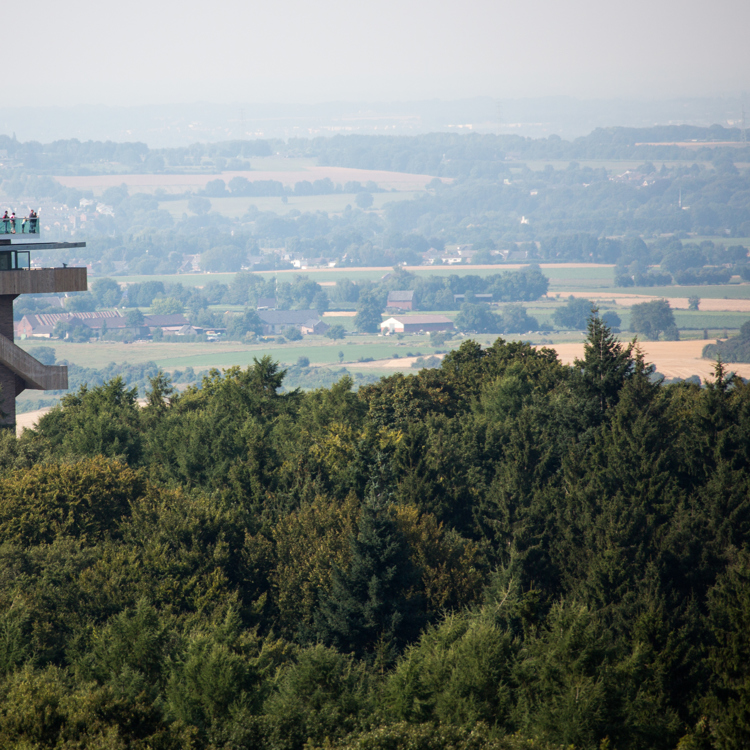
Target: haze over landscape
(302,52)
(375,376)
(149,71)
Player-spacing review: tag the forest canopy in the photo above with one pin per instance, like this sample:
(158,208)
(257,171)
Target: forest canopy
(504,552)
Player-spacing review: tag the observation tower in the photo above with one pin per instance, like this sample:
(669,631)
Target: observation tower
(18,369)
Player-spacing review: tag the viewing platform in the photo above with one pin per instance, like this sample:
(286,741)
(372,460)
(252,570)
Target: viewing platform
(18,369)
(20,227)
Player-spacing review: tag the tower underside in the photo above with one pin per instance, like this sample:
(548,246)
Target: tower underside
(18,369)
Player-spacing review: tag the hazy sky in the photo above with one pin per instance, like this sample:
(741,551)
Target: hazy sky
(139,52)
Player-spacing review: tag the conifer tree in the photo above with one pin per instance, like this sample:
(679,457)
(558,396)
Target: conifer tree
(606,364)
(374,604)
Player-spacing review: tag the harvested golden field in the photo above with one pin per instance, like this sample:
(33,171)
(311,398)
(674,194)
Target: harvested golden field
(29,419)
(673,359)
(400,363)
(676,303)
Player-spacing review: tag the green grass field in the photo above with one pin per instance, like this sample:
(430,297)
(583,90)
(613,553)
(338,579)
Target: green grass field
(686,319)
(561,277)
(579,279)
(204,355)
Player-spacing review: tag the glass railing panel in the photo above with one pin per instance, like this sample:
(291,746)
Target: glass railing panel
(11,260)
(29,226)
(21,226)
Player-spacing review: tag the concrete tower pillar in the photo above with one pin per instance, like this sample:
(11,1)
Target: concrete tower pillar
(18,369)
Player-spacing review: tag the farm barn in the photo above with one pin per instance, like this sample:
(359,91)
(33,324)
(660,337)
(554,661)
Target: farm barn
(403,300)
(416,324)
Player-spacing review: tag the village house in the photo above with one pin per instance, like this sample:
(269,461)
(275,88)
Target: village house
(266,303)
(460,298)
(307,321)
(42,325)
(416,324)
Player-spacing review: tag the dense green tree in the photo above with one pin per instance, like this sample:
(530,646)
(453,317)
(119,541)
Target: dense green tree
(727,703)
(478,319)
(199,205)
(517,320)
(166,306)
(240,325)
(85,500)
(364,200)
(80,302)
(735,349)
(496,549)
(652,319)
(369,312)
(373,606)
(575,314)
(223,258)
(321,697)
(134,317)
(606,364)
(102,420)
(107,292)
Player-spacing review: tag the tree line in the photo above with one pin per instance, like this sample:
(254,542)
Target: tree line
(449,154)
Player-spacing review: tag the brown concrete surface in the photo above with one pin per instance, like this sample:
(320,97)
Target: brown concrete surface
(34,374)
(43,281)
(18,369)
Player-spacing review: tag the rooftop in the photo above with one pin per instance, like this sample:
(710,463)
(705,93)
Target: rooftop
(288,317)
(401,296)
(421,319)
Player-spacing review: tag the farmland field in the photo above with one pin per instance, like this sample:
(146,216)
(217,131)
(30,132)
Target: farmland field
(708,291)
(202,355)
(235,208)
(673,359)
(286,171)
(559,274)
(707,303)
(722,309)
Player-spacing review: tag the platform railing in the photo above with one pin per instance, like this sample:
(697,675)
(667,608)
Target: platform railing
(24,226)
